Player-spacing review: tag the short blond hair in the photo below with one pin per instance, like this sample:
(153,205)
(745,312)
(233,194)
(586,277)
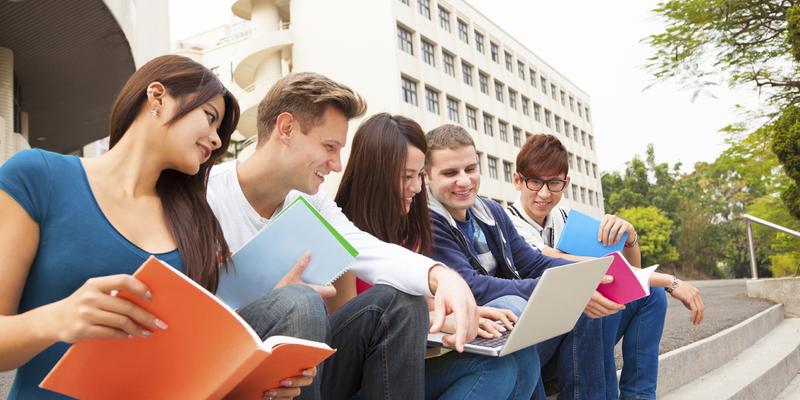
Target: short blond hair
(448,136)
(306,95)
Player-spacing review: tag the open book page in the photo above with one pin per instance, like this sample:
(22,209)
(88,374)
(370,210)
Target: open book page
(643,275)
(629,283)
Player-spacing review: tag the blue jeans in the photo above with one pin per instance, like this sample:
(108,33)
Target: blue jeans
(575,358)
(473,376)
(640,326)
(296,311)
(380,337)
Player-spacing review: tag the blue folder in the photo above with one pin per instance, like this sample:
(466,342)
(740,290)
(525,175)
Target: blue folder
(579,237)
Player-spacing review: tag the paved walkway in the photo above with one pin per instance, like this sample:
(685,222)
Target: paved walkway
(726,305)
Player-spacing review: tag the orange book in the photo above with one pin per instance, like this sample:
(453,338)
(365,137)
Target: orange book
(207,352)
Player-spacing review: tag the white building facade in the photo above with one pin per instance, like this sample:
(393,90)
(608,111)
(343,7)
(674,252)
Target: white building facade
(434,61)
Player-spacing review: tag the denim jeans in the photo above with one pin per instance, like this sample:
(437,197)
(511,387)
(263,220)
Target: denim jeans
(297,311)
(576,359)
(473,376)
(380,337)
(640,326)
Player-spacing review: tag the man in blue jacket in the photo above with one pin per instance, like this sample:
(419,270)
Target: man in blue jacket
(475,237)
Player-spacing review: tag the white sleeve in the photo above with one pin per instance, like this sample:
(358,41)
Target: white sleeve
(378,262)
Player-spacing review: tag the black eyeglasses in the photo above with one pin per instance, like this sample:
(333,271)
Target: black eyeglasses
(553,185)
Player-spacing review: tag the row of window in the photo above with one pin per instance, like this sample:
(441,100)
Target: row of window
(583,165)
(463,34)
(409,91)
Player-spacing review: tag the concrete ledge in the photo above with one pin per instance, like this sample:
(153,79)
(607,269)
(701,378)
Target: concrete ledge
(759,373)
(682,366)
(777,290)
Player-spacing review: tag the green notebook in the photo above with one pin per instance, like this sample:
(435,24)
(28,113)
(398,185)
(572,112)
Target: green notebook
(264,260)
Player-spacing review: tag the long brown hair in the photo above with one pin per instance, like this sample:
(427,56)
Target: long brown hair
(370,193)
(183,197)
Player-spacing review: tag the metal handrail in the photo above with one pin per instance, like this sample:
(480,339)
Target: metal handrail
(748,220)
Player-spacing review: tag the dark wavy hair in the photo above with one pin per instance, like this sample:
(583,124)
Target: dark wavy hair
(183,197)
(370,193)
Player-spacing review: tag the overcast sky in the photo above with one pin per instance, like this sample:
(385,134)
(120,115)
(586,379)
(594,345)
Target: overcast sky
(596,45)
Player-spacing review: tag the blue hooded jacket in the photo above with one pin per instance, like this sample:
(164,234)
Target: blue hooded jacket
(519,265)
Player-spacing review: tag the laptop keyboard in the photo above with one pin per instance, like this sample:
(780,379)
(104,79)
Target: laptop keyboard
(493,342)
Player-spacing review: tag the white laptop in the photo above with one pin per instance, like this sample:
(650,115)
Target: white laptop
(553,309)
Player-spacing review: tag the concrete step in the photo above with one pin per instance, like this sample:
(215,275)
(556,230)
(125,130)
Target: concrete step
(792,391)
(762,371)
(678,368)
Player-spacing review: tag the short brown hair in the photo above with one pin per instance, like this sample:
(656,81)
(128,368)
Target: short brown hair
(306,95)
(448,136)
(542,154)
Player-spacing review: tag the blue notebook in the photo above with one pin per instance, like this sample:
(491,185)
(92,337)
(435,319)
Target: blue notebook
(579,237)
(264,260)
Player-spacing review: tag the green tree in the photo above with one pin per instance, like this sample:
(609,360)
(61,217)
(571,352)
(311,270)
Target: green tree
(654,229)
(786,145)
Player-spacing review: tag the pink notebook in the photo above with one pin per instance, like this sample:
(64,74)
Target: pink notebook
(629,283)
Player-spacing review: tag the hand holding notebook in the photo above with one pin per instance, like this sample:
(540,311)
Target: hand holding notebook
(579,237)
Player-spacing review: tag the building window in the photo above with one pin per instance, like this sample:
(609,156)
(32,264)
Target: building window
(591,142)
(579,109)
(521,70)
(586,164)
(583,195)
(507,171)
(509,62)
(424,8)
(558,124)
(495,52)
(502,127)
(566,193)
(574,192)
(404,40)
(594,170)
(487,124)
(480,163)
(409,91)
(528,135)
(512,98)
(525,106)
(563,99)
(547,118)
(479,42)
(536,112)
(579,162)
(404,2)
(583,138)
(498,91)
(575,132)
(492,164)
(553,91)
(571,166)
(544,85)
(466,70)
(484,82)
(591,201)
(444,19)
(449,64)
(452,110)
(432,100)
(472,118)
(587,114)
(597,198)
(462,31)
(427,53)
(571,106)
(566,128)
(532,75)
(517,136)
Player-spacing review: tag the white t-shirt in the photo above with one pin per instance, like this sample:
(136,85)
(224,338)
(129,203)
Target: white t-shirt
(377,262)
(534,234)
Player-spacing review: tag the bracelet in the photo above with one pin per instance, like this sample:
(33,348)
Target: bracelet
(635,239)
(674,284)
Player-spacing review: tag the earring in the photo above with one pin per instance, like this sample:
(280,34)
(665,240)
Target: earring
(154,111)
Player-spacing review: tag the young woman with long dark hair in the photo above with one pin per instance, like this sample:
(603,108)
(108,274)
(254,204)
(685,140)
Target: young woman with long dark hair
(72,230)
(382,193)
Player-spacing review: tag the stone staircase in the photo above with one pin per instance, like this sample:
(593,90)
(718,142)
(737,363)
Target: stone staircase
(754,360)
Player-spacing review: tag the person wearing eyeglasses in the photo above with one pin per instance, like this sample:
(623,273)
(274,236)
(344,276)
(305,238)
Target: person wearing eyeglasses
(541,178)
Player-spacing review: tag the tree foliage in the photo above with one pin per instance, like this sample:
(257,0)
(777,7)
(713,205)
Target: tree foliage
(786,145)
(653,228)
